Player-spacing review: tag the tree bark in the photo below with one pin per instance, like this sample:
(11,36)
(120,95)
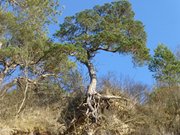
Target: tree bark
(93,97)
(93,78)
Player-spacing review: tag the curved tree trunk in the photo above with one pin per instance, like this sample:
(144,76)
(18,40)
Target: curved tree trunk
(91,92)
(93,97)
(93,79)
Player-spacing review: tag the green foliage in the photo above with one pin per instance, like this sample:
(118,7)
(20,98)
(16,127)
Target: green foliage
(36,13)
(56,59)
(165,66)
(110,27)
(27,53)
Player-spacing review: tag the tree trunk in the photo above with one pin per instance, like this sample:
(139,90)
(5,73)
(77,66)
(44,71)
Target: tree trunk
(91,92)
(93,79)
(25,90)
(93,97)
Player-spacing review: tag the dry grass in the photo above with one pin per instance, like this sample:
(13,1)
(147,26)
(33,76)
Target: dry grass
(64,114)
(40,113)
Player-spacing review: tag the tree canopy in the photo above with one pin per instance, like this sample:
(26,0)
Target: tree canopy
(110,27)
(165,65)
(27,53)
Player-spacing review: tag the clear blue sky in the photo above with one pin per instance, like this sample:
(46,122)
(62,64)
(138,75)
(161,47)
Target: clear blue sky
(162,24)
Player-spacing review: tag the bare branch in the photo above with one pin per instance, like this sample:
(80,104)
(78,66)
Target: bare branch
(104,97)
(107,49)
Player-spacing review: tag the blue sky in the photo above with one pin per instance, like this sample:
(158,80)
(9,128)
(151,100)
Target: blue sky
(162,25)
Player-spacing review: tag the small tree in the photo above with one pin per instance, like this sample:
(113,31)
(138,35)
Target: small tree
(26,53)
(166,66)
(110,28)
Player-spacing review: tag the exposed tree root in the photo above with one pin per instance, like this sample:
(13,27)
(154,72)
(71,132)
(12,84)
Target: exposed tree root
(94,99)
(94,104)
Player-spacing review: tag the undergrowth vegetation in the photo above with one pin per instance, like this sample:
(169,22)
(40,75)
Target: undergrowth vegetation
(56,112)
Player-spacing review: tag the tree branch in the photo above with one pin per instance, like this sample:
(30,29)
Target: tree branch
(107,49)
(35,81)
(104,97)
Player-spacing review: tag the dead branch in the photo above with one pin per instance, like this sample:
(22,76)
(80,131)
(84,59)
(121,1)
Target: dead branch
(106,97)
(29,81)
